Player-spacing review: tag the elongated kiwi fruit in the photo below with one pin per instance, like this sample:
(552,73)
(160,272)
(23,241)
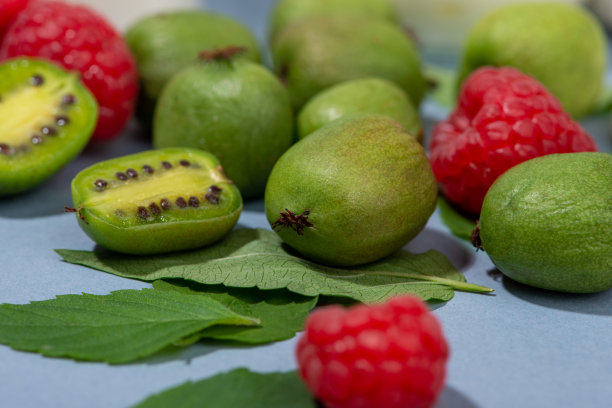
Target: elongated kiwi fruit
(47,117)
(156,201)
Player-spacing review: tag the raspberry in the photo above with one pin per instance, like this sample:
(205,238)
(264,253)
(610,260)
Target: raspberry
(8,10)
(80,39)
(503,118)
(390,355)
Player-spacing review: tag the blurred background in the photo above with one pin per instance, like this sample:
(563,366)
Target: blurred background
(440,25)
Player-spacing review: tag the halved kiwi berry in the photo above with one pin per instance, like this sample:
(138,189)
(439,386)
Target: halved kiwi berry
(47,116)
(156,201)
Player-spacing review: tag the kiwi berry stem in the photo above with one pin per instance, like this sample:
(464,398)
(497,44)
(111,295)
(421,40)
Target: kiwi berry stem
(475,237)
(76,210)
(221,54)
(296,222)
(462,286)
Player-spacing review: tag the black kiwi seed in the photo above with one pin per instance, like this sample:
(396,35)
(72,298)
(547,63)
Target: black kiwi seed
(154,209)
(48,130)
(68,99)
(194,202)
(5,149)
(215,189)
(147,169)
(184,163)
(37,80)
(121,175)
(100,184)
(181,202)
(212,198)
(62,120)
(165,204)
(166,165)
(132,173)
(36,139)
(143,212)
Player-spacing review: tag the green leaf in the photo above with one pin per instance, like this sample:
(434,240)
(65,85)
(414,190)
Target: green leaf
(282,313)
(117,328)
(445,91)
(257,258)
(460,225)
(237,388)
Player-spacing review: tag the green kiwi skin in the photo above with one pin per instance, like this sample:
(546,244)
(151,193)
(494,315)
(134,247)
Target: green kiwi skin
(141,237)
(23,172)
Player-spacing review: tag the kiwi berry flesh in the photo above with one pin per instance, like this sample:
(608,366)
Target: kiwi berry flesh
(47,116)
(156,201)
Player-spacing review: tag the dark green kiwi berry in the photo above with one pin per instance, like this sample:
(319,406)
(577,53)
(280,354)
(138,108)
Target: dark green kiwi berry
(235,109)
(156,201)
(47,117)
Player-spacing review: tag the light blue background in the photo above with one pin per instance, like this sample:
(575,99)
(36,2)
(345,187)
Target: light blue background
(520,347)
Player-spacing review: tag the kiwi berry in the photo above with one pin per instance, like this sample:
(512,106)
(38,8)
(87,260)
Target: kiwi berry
(156,201)
(47,116)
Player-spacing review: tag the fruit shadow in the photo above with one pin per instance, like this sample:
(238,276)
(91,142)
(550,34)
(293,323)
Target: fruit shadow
(458,252)
(587,303)
(190,352)
(452,398)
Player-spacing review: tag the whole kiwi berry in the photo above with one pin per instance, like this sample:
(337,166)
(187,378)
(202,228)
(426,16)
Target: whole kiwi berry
(353,192)
(235,109)
(547,222)
(165,43)
(316,53)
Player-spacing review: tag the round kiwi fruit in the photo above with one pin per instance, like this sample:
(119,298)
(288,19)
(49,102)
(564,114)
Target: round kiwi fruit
(156,201)
(235,109)
(47,116)
(547,222)
(352,192)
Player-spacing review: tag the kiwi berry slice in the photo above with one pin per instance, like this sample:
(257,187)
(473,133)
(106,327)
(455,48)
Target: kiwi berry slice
(47,116)
(156,201)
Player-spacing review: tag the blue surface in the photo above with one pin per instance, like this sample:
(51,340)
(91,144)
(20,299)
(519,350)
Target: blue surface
(520,347)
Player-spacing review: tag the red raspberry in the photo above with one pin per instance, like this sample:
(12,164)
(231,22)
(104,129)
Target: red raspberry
(8,10)
(390,355)
(503,118)
(80,39)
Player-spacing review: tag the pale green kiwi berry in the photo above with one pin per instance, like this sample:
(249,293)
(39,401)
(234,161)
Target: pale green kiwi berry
(165,43)
(359,96)
(286,12)
(563,46)
(547,222)
(156,201)
(316,53)
(235,109)
(353,192)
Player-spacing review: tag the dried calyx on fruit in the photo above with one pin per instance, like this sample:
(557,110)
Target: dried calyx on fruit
(156,201)
(46,118)
(503,118)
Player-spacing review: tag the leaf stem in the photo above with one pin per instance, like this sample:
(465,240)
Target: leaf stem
(462,286)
